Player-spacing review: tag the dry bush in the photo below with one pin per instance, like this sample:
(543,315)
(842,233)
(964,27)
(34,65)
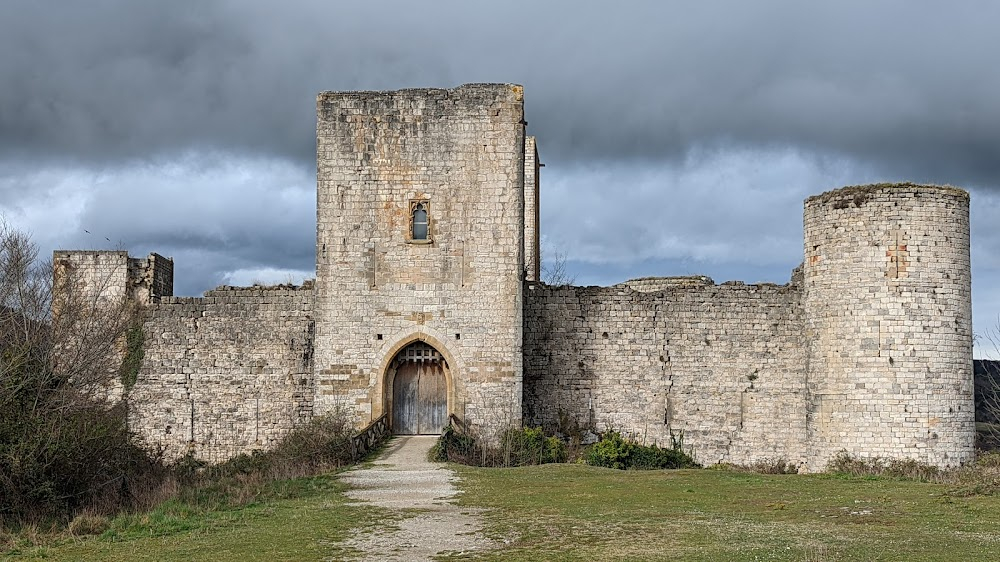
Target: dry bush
(773,466)
(319,446)
(987,392)
(844,463)
(88,524)
(63,446)
(979,478)
(762,466)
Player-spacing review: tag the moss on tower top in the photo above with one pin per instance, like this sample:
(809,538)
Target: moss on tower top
(859,194)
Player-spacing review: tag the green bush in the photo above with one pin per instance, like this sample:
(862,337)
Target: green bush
(529,446)
(614,451)
(516,447)
(135,340)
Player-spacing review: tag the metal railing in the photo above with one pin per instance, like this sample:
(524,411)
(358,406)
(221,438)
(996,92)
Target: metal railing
(366,439)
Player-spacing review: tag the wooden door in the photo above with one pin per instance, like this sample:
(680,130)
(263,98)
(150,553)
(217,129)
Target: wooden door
(419,398)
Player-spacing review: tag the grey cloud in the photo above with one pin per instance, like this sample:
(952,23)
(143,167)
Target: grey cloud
(901,85)
(226,213)
(214,213)
(715,207)
(695,129)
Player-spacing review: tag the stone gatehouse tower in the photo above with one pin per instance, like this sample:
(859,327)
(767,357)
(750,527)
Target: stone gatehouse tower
(427,305)
(420,248)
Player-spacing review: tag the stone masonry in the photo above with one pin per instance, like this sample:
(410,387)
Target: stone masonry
(461,154)
(888,310)
(226,373)
(722,364)
(428,247)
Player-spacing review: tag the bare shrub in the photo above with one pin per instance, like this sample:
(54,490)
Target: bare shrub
(762,466)
(63,446)
(554,261)
(322,444)
(987,392)
(979,478)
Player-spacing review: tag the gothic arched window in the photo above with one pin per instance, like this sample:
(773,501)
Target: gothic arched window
(420,221)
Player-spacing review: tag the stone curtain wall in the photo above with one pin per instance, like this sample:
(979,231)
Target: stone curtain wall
(725,364)
(224,374)
(461,152)
(868,351)
(889,321)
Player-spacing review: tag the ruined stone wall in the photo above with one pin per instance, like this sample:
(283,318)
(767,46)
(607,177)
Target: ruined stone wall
(91,308)
(459,152)
(889,323)
(724,364)
(869,351)
(226,373)
(150,278)
(99,275)
(110,275)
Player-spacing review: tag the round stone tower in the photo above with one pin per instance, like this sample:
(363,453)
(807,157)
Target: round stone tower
(888,316)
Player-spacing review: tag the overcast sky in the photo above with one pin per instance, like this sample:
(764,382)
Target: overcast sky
(691,131)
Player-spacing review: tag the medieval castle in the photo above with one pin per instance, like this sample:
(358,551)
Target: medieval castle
(427,304)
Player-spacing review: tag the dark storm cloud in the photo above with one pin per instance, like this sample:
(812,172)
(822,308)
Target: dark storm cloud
(235,214)
(216,214)
(906,86)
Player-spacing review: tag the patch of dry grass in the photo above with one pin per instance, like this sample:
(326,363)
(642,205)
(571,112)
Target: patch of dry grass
(574,512)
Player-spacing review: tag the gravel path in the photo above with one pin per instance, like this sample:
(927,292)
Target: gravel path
(403,479)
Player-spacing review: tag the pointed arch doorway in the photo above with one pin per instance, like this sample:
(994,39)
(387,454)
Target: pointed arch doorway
(418,390)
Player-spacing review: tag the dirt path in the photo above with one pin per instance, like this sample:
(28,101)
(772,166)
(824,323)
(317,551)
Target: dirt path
(403,479)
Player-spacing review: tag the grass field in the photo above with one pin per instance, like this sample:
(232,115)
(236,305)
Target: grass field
(575,512)
(308,525)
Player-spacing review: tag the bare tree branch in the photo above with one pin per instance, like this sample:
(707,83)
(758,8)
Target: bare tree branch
(554,260)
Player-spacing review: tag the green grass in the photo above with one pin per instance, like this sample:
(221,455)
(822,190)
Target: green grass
(304,520)
(575,512)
